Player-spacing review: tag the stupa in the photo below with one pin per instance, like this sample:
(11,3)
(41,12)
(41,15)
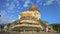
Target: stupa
(29,20)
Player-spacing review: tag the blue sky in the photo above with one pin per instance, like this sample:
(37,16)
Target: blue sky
(10,9)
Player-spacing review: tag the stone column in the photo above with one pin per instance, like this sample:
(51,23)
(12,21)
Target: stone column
(46,29)
(24,30)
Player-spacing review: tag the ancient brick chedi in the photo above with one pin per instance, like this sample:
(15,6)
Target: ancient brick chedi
(29,20)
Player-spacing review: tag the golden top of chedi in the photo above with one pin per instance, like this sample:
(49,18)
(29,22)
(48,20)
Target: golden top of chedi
(33,8)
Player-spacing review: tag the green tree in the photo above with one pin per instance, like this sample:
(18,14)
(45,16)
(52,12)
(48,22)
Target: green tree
(56,27)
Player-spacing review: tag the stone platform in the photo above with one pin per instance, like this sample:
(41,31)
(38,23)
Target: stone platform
(14,32)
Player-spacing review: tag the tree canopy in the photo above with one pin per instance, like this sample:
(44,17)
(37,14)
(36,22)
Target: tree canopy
(56,27)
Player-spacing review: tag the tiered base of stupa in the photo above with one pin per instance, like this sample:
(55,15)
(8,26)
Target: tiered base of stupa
(26,27)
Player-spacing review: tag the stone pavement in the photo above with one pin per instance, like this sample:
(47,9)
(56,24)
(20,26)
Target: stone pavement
(29,33)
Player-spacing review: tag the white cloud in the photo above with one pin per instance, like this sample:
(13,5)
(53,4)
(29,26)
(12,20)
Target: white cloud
(12,11)
(12,16)
(19,7)
(26,3)
(38,1)
(7,0)
(23,0)
(44,4)
(3,18)
(49,2)
(15,0)
(17,3)
(3,13)
(17,11)
(12,21)
(11,6)
(59,2)
(8,11)
(7,4)
(2,21)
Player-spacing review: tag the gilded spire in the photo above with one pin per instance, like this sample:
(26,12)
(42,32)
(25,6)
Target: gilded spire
(33,7)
